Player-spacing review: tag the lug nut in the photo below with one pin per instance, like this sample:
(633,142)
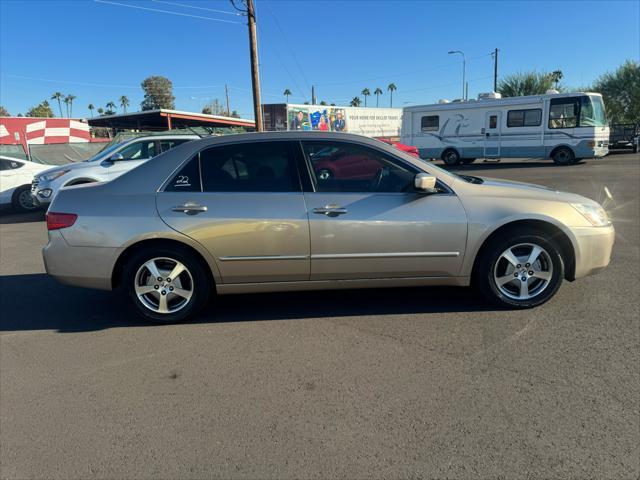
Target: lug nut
(171,289)
(518,266)
(159,279)
(524,279)
(156,287)
(168,279)
(163,292)
(515,274)
(527,265)
(531,272)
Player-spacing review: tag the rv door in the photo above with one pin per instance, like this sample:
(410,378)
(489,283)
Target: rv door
(492,134)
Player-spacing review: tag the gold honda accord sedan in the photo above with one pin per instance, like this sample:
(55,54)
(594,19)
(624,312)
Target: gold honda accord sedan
(285,211)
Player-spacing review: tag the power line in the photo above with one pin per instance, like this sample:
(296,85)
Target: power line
(197,8)
(165,11)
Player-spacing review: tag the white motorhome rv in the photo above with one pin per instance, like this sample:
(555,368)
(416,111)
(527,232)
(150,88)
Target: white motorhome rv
(563,126)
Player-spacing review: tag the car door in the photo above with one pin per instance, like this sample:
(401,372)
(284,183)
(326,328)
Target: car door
(133,155)
(380,226)
(244,203)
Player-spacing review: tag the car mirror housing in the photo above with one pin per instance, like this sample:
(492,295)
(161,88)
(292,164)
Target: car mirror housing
(116,157)
(425,183)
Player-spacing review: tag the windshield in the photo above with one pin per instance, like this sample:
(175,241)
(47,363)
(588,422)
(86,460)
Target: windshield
(106,151)
(592,112)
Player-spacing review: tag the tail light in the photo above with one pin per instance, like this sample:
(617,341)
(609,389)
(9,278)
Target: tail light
(56,221)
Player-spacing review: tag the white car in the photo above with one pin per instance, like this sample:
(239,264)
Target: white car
(15,182)
(106,165)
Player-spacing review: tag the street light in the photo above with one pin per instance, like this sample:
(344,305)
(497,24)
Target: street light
(464,69)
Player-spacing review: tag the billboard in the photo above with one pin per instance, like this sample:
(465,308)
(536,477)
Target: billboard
(372,122)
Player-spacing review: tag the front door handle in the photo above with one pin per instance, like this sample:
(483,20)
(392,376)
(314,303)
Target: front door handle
(190,208)
(330,210)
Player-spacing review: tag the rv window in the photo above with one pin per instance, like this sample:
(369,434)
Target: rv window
(493,121)
(430,123)
(524,118)
(563,112)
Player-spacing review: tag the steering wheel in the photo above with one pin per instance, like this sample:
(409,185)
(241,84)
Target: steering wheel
(377,180)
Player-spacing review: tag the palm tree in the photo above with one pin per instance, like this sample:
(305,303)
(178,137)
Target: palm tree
(365,93)
(100,111)
(58,96)
(286,93)
(392,88)
(111,108)
(556,76)
(355,102)
(377,92)
(69,101)
(525,83)
(91,107)
(124,101)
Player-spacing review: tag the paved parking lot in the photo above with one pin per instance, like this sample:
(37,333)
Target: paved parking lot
(376,383)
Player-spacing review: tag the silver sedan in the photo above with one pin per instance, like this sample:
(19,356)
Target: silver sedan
(312,210)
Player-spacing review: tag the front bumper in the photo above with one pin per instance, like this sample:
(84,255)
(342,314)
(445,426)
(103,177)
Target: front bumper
(89,267)
(41,193)
(593,247)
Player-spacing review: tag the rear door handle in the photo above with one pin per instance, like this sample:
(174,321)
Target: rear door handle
(190,208)
(330,210)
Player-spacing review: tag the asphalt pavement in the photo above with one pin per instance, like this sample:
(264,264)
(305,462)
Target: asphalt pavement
(410,383)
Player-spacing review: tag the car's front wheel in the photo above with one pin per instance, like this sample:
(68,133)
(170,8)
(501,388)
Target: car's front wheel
(22,201)
(522,269)
(166,285)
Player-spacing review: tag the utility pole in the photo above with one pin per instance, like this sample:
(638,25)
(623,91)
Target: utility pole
(495,70)
(226,92)
(255,76)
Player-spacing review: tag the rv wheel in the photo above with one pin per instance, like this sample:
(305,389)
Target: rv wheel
(564,156)
(451,157)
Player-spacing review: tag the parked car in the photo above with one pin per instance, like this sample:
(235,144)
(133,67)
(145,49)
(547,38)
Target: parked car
(405,148)
(15,182)
(108,164)
(248,213)
(624,136)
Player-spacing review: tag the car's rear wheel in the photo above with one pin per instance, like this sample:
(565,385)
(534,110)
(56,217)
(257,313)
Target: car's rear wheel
(522,269)
(166,285)
(22,200)
(564,156)
(451,157)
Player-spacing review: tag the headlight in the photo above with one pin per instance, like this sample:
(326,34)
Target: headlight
(594,213)
(49,177)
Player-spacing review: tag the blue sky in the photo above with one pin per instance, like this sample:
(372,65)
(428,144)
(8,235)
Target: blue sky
(100,51)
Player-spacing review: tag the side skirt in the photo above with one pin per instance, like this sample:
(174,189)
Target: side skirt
(230,288)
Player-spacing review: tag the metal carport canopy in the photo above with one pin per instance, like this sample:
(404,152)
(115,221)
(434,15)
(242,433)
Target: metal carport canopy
(166,120)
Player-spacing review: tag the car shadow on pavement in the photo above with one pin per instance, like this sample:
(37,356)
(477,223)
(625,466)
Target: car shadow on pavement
(8,216)
(480,165)
(37,302)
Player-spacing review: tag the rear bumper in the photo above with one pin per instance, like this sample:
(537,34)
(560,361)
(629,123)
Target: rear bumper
(89,267)
(593,249)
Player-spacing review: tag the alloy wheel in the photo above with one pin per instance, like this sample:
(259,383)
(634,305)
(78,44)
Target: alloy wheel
(523,271)
(25,200)
(164,285)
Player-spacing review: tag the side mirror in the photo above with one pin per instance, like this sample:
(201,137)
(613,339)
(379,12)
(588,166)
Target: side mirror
(425,183)
(116,157)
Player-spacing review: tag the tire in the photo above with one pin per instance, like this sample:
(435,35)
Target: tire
(564,156)
(468,161)
(494,269)
(22,201)
(148,302)
(451,157)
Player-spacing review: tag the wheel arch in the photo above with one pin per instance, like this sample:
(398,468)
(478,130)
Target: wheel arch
(129,251)
(567,248)
(80,181)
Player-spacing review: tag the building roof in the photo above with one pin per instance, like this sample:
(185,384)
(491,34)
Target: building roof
(163,119)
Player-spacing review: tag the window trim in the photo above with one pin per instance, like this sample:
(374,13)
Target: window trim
(524,116)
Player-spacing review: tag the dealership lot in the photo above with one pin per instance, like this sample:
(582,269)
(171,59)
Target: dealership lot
(384,383)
